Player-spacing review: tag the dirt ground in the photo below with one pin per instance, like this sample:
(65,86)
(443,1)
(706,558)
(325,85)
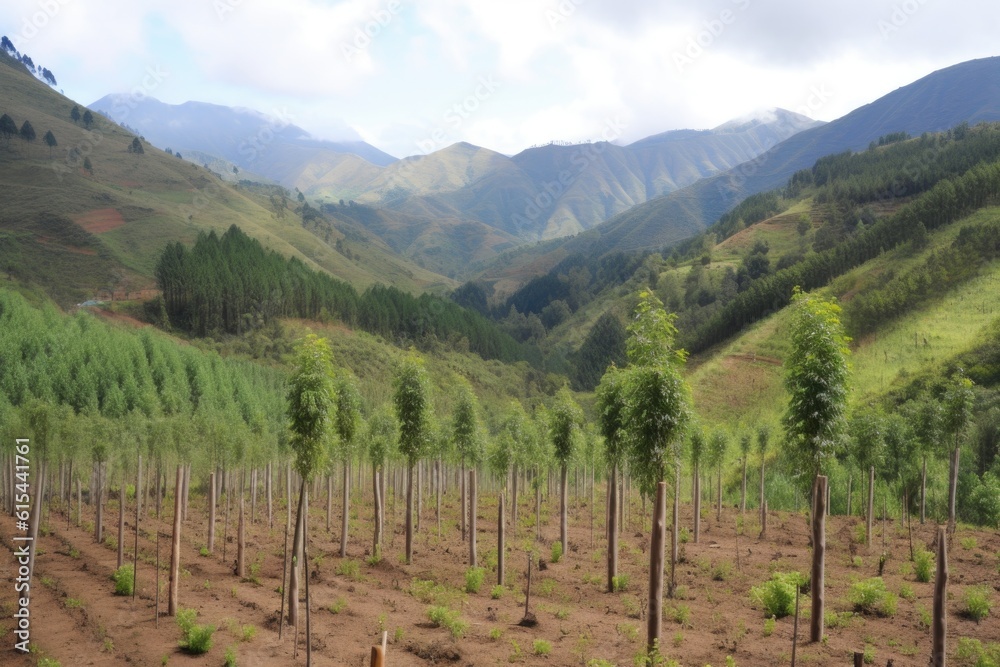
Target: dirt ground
(100,220)
(77,620)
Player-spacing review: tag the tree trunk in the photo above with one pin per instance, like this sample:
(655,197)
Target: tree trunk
(697,505)
(345,518)
(438,475)
(819,554)
(376,489)
(538,508)
(409,512)
(175,544)
(241,543)
(850,490)
(718,502)
(293,574)
(139,491)
(743,488)
(462,490)
(761,500)
(267,490)
(187,489)
(563,523)
(329,500)
(472,518)
(674,533)
(305,559)
(501,543)
(420,495)
(513,508)
(940,621)
(953,488)
(159,490)
(211,512)
(613,529)
(121,521)
(923,492)
(34,518)
(655,612)
(870,512)
(99,519)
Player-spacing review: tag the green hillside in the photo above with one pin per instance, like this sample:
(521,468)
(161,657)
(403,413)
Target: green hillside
(75,231)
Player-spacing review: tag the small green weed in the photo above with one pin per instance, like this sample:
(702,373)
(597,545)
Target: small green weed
(557,552)
(123,579)
(541,647)
(474,579)
(923,565)
(977,602)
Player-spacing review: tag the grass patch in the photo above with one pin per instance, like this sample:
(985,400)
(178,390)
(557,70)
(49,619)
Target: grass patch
(777,595)
(442,617)
(557,552)
(541,647)
(619,583)
(923,565)
(978,602)
(871,597)
(350,569)
(195,639)
(474,579)
(497,592)
(123,578)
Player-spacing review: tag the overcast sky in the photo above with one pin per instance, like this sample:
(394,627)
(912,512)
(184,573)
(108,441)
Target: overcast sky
(410,76)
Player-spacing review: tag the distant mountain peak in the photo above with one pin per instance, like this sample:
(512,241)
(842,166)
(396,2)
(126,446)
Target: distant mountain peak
(766,116)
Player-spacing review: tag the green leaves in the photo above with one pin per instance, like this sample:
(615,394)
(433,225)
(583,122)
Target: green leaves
(816,376)
(465,426)
(311,403)
(348,414)
(564,423)
(645,408)
(412,402)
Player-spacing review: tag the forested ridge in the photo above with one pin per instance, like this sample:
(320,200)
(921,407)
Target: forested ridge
(232,284)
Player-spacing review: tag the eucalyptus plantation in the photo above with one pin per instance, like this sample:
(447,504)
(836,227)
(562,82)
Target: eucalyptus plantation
(411,399)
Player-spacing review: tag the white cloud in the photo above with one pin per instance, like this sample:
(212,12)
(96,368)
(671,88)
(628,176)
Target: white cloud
(565,66)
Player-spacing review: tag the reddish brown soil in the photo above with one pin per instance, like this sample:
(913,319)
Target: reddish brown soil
(100,220)
(575,615)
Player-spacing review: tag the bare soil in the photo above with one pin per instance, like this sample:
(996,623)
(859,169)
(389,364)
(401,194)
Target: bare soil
(100,220)
(77,619)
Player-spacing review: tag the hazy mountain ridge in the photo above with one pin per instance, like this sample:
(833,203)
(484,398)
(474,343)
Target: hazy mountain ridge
(967,92)
(271,145)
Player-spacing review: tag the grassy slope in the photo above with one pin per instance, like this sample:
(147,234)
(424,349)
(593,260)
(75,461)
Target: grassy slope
(161,198)
(742,380)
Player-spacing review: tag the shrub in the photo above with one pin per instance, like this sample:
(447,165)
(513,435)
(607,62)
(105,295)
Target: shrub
(871,597)
(977,602)
(350,569)
(497,592)
(230,656)
(619,583)
(557,552)
(722,571)
(442,617)
(906,592)
(923,565)
(195,639)
(684,535)
(123,580)
(496,634)
(474,579)
(968,543)
(869,654)
(769,626)
(777,596)
(973,652)
(541,647)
